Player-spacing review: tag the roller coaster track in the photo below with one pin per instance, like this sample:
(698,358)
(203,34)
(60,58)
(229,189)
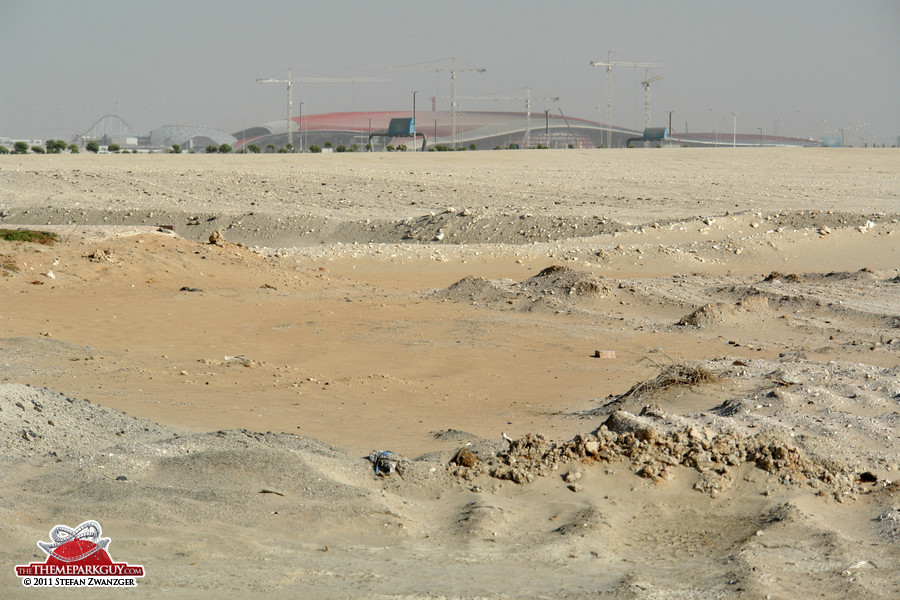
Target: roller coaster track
(106,125)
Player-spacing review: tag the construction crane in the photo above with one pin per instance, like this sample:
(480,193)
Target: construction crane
(527,98)
(646,83)
(609,64)
(290,81)
(453,69)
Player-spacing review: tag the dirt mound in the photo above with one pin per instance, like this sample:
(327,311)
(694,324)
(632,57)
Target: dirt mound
(477,290)
(553,288)
(39,422)
(722,313)
(562,281)
(709,314)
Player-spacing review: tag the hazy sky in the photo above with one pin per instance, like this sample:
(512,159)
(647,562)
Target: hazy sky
(805,68)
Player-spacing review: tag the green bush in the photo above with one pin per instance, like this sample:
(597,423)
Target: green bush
(73,148)
(20,148)
(212,149)
(4,150)
(45,238)
(328,144)
(224,149)
(315,148)
(389,148)
(38,149)
(55,146)
(176,149)
(253,148)
(92,146)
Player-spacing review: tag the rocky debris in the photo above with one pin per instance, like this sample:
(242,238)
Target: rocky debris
(572,475)
(216,238)
(466,458)
(889,524)
(102,256)
(655,447)
(791,277)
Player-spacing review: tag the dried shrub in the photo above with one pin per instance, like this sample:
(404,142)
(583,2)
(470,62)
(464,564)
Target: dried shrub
(8,265)
(671,375)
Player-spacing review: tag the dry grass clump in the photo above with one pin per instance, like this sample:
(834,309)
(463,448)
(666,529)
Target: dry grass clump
(8,265)
(671,375)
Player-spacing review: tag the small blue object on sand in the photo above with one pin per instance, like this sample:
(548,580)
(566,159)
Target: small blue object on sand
(385,461)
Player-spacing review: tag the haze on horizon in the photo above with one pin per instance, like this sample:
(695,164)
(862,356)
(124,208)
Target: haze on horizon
(794,68)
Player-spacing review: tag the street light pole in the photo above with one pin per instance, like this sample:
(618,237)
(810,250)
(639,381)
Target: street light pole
(670,121)
(734,130)
(760,136)
(547,125)
(414,119)
(300,123)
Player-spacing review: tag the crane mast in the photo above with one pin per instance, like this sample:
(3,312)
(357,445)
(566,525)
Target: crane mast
(290,92)
(453,69)
(609,64)
(646,83)
(527,98)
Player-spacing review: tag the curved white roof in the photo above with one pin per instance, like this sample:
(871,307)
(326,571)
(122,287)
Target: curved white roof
(167,135)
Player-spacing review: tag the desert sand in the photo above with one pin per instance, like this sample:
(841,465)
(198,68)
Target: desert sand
(647,373)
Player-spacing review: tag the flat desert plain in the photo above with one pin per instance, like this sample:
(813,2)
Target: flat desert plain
(647,373)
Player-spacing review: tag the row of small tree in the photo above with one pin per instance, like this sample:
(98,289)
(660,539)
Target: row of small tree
(55,147)
(58,146)
(52,147)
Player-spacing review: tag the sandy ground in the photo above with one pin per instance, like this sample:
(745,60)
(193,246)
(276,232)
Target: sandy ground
(694,353)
